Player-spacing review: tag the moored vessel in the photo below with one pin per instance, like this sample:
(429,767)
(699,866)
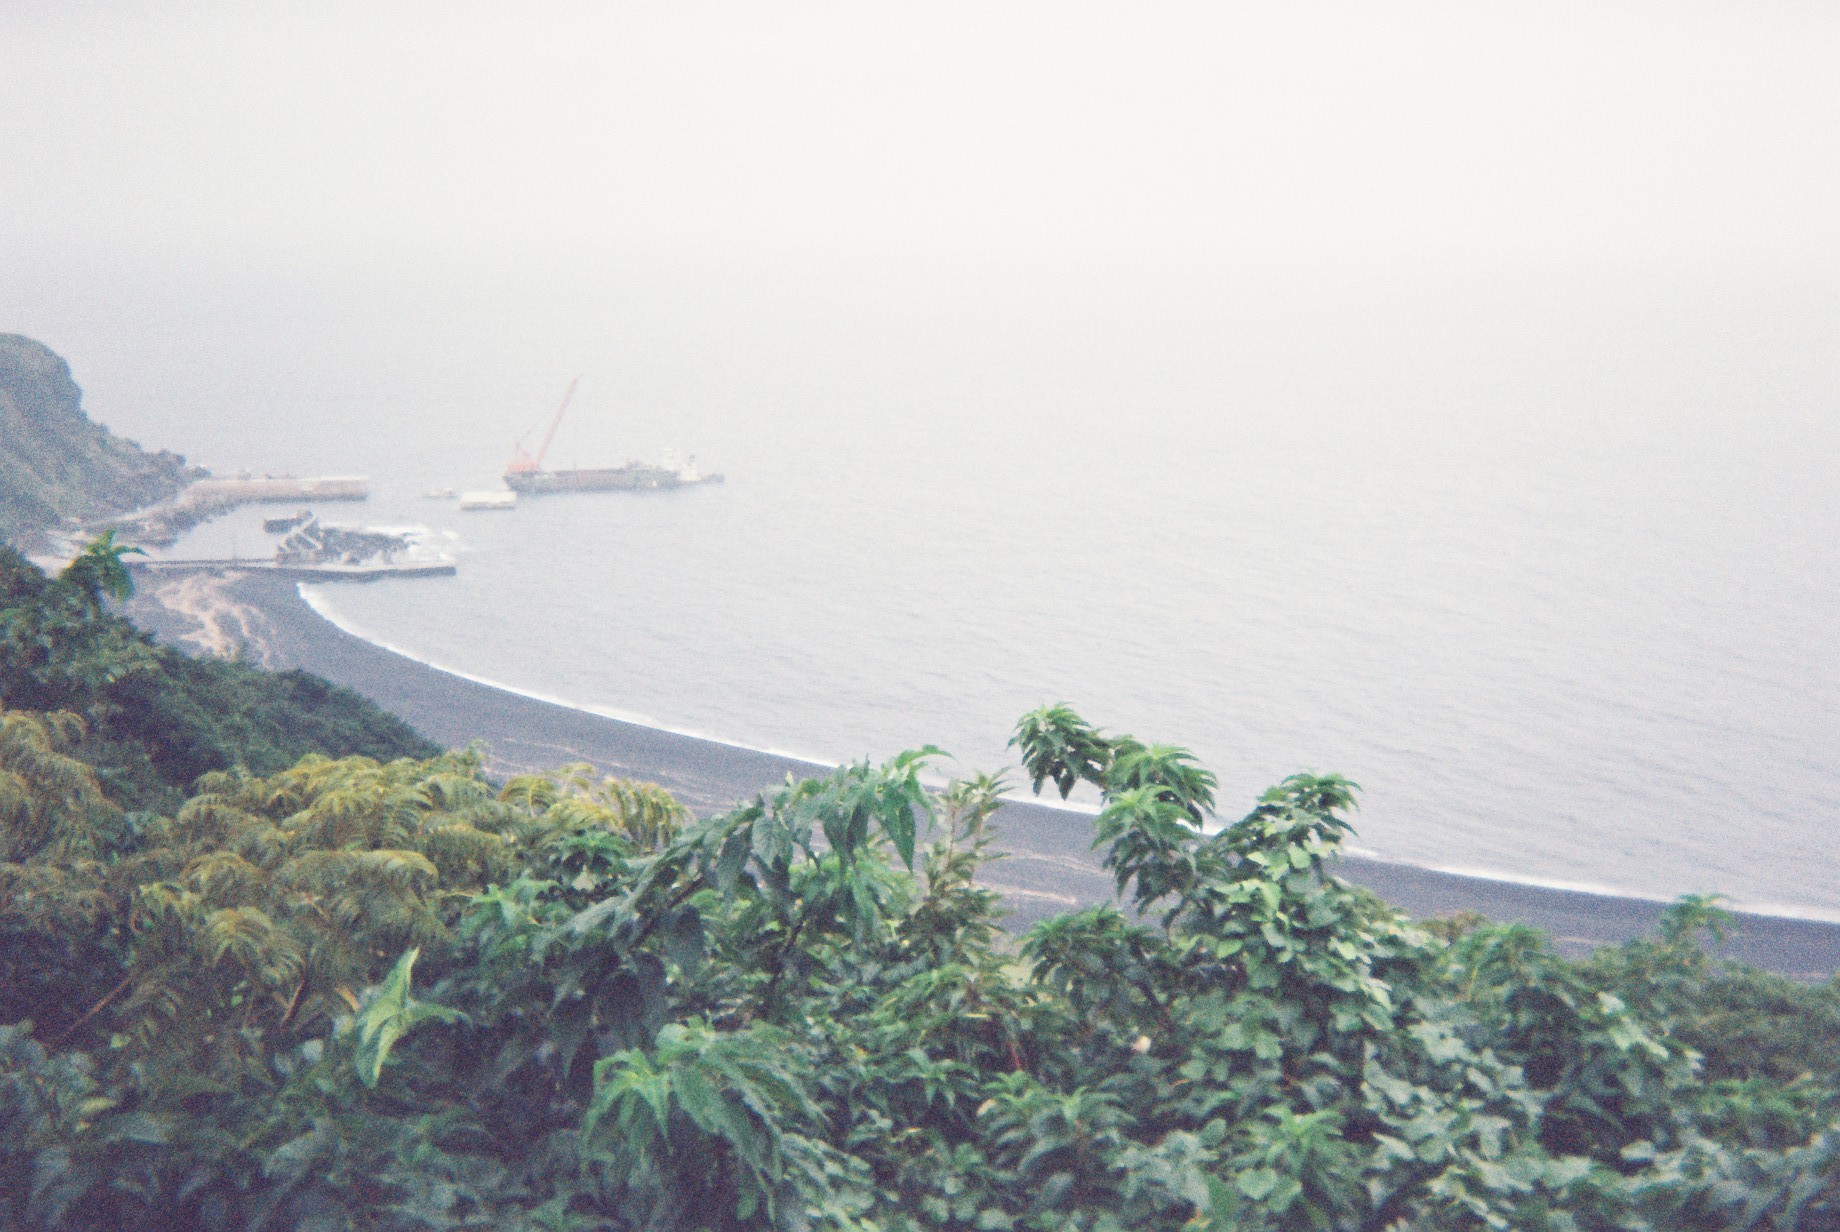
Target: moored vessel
(525,473)
(632,477)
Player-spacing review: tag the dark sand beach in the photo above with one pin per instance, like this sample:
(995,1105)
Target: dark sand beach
(1049,868)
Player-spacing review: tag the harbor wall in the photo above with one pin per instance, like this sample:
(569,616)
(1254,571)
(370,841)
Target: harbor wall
(267,490)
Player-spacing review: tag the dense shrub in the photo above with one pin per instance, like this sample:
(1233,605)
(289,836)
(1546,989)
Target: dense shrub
(155,720)
(394,995)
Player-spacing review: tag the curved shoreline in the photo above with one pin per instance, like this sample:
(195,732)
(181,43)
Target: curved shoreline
(350,629)
(1049,867)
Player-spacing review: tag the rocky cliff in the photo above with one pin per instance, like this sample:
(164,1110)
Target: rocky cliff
(58,469)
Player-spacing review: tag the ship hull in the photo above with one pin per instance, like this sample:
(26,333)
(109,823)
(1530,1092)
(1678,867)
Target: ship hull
(633,478)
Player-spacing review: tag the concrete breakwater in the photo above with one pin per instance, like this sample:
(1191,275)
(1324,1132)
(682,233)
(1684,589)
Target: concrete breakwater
(205,499)
(270,489)
(329,572)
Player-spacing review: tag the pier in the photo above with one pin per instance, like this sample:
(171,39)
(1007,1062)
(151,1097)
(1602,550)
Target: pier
(300,572)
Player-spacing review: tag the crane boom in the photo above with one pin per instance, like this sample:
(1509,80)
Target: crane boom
(523,463)
(555,423)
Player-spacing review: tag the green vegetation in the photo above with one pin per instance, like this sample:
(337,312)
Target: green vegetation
(154,720)
(268,960)
(395,995)
(57,468)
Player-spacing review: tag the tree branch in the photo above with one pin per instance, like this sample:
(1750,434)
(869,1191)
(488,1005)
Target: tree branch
(93,1010)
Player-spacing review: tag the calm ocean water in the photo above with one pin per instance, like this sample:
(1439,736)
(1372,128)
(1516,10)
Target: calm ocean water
(1547,565)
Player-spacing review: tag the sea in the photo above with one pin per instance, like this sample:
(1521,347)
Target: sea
(1545,560)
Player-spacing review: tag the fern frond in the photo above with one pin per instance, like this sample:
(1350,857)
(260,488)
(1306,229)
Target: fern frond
(533,792)
(224,876)
(210,821)
(250,939)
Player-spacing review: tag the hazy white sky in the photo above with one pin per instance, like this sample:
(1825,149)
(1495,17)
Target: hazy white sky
(1675,132)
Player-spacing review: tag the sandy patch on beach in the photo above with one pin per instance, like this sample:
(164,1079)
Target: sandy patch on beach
(214,623)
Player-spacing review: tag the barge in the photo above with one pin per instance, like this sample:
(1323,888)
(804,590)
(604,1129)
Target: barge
(526,476)
(632,477)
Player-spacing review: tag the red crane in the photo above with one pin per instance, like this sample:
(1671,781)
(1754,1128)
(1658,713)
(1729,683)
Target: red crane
(523,463)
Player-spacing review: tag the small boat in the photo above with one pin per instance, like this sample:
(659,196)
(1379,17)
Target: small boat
(500,499)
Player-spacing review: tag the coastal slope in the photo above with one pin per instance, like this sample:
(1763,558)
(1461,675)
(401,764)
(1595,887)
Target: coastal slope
(58,467)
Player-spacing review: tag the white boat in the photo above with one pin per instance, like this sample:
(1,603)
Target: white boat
(500,499)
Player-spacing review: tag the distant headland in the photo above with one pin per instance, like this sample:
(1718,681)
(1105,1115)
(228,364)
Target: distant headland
(59,470)
(65,478)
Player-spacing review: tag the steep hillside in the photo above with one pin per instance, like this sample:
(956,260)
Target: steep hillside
(153,719)
(57,465)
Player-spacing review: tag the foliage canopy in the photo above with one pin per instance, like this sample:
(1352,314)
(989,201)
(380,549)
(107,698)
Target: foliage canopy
(364,994)
(153,719)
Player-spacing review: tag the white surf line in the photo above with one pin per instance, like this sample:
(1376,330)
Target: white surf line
(345,625)
(1085,810)
(1819,915)
(312,597)
(1016,891)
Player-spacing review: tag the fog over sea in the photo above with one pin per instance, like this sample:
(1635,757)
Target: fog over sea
(1547,567)
(1438,394)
